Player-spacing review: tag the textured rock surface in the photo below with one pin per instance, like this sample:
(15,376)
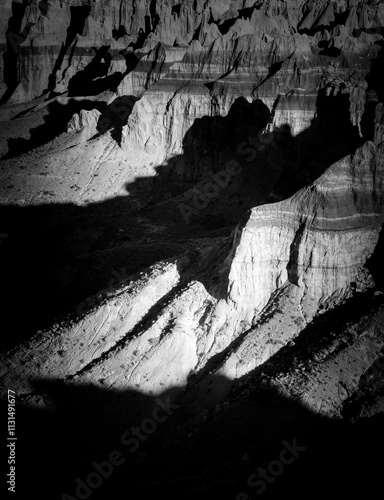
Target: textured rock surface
(192,206)
(308,249)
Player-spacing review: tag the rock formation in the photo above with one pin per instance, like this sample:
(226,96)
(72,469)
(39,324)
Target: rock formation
(193,209)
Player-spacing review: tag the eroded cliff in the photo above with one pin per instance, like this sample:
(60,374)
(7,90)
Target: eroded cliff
(192,199)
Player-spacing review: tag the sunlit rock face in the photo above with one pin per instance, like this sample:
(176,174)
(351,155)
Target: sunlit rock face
(279,52)
(200,189)
(308,63)
(307,249)
(316,240)
(195,84)
(289,91)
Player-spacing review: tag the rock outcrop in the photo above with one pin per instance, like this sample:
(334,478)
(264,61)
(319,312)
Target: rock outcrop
(306,251)
(228,158)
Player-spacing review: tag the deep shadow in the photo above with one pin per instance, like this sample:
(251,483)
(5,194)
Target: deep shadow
(155,17)
(247,12)
(293,267)
(376,263)
(375,92)
(94,78)
(339,19)
(333,122)
(14,38)
(226,25)
(115,116)
(194,452)
(375,78)
(328,49)
(76,27)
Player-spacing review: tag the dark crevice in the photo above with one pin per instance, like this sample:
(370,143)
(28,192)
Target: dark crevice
(293,267)
(369,31)
(176,9)
(119,32)
(155,18)
(131,61)
(223,26)
(76,27)
(272,70)
(248,11)
(78,19)
(333,116)
(140,41)
(340,19)
(211,85)
(116,116)
(148,24)
(328,48)
(275,68)
(375,77)
(155,63)
(44,7)
(14,38)
(197,32)
(375,264)
(94,78)
(368,118)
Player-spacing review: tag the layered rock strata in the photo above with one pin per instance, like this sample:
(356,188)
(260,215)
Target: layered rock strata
(307,250)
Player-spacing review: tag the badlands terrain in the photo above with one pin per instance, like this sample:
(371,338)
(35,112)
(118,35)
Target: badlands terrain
(191,243)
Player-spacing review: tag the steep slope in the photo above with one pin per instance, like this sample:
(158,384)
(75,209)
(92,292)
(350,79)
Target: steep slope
(303,253)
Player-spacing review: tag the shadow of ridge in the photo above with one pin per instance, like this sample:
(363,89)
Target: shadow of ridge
(211,458)
(115,116)
(269,159)
(52,249)
(67,262)
(66,427)
(55,124)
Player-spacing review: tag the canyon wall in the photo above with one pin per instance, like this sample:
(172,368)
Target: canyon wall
(300,254)
(191,218)
(206,55)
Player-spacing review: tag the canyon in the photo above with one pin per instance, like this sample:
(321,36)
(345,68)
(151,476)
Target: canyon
(192,211)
